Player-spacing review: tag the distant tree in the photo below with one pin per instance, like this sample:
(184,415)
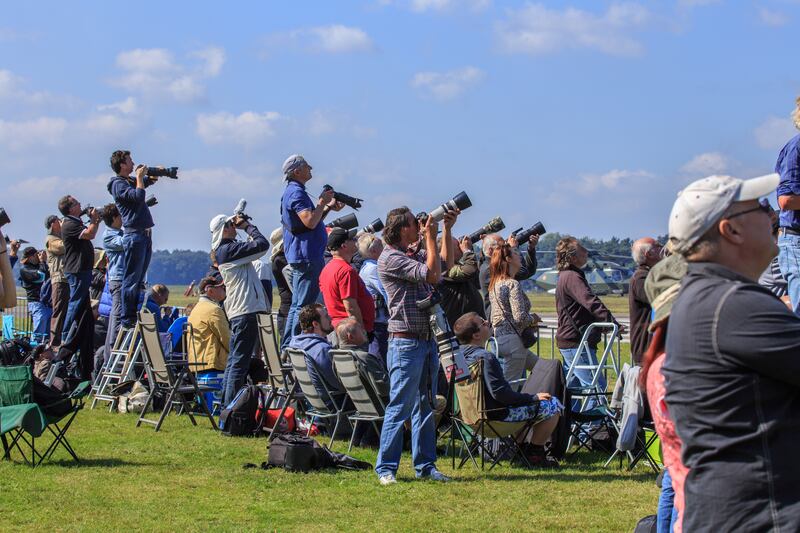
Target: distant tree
(178,267)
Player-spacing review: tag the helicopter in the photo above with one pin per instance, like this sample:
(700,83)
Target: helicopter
(604,276)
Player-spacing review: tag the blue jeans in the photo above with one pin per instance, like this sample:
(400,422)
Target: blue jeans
(115,288)
(137,249)
(305,290)
(582,378)
(78,297)
(40,314)
(789,261)
(244,334)
(413,365)
(667,514)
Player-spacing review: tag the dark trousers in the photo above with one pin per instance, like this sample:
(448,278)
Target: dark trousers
(60,301)
(115,288)
(137,250)
(79,283)
(244,335)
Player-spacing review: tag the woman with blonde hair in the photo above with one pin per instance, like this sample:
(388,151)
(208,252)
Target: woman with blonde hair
(510,312)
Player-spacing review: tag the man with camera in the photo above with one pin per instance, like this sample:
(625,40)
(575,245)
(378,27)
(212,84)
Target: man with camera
(78,262)
(304,237)
(32,275)
(412,360)
(528,268)
(54,246)
(244,293)
(137,226)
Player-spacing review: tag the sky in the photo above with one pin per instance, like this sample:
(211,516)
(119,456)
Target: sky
(587,116)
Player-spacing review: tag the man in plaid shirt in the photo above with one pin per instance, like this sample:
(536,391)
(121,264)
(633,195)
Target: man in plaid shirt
(412,360)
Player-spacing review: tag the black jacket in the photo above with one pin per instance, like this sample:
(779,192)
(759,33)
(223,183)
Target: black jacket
(732,373)
(32,277)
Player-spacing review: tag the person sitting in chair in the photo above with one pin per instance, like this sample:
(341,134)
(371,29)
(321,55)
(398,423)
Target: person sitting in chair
(352,336)
(211,334)
(503,402)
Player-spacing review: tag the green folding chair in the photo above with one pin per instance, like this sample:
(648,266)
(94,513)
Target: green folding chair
(23,421)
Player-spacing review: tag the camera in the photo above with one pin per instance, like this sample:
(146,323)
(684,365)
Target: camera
(493,226)
(347,222)
(151,201)
(373,227)
(21,241)
(459,201)
(451,357)
(89,207)
(523,235)
(3,217)
(239,210)
(346,199)
(171,172)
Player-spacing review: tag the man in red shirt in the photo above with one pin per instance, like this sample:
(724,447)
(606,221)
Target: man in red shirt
(342,288)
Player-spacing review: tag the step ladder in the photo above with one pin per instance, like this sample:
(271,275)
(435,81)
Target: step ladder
(119,367)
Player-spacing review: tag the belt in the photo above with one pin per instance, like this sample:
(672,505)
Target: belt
(790,231)
(409,335)
(146,231)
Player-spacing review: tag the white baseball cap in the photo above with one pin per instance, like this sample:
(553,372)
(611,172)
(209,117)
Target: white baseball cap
(703,203)
(216,226)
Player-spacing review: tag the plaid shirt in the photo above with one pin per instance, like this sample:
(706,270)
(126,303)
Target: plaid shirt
(403,278)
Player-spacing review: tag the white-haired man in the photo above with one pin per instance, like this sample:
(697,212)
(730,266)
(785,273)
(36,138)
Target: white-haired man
(646,252)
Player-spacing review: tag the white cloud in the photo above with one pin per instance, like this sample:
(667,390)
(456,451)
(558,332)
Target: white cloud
(155,72)
(333,39)
(593,184)
(13,89)
(774,19)
(773,133)
(537,30)
(125,107)
(447,85)
(706,164)
(321,123)
(246,129)
(48,131)
(53,187)
(421,6)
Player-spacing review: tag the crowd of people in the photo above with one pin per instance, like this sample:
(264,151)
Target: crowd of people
(713,321)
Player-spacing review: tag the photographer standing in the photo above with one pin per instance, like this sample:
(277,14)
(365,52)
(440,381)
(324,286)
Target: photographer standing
(245,295)
(304,237)
(526,270)
(32,275)
(60,288)
(137,240)
(412,360)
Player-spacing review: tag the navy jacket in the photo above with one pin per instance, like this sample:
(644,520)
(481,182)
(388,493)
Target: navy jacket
(131,203)
(501,394)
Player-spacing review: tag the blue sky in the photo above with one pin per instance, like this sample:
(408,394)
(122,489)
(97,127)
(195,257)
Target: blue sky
(588,116)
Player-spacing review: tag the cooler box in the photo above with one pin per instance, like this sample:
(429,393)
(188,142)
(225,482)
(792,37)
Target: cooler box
(213,380)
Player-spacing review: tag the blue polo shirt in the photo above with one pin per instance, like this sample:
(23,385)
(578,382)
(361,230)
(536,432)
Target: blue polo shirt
(300,244)
(788,166)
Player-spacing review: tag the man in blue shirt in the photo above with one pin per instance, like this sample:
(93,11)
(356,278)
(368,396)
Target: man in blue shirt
(137,226)
(304,237)
(115,251)
(788,167)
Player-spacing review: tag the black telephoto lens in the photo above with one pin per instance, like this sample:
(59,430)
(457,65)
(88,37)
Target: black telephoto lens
(536,229)
(171,172)
(346,222)
(375,226)
(3,217)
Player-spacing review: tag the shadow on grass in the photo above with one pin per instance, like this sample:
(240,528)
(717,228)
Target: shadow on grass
(97,463)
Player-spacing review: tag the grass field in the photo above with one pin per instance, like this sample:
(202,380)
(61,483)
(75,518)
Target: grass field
(187,478)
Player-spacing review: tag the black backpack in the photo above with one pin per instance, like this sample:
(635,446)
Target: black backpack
(648,524)
(239,417)
(298,453)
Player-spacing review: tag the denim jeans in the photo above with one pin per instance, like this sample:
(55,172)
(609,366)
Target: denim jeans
(667,514)
(244,334)
(305,290)
(582,378)
(115,288)
(40,314)
(789,261)
(78,296)
(137,249)
(413,365)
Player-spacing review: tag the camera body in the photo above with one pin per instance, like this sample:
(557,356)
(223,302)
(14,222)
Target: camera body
(85,212)
(346,199)
(523,235)
(170,172)
(347,222)
(459,201)
(493,226)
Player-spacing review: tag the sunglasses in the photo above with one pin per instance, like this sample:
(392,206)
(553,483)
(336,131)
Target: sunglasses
(763,205)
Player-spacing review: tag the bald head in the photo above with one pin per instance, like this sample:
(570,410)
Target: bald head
(646,251)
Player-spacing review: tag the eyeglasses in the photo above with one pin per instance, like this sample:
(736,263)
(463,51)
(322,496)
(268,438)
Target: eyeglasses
(763,205)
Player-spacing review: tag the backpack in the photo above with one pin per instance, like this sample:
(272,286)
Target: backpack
(298,453)
(648,524)
(239,417)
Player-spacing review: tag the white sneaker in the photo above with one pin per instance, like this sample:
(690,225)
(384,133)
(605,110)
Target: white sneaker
(435,475)
(387,479)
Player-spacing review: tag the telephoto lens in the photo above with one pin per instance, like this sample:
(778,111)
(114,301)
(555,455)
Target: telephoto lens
(171,172)
(373,227)
(346,222)
(3,217)
(493,226)
(459,201)
(346,199)
(536,229)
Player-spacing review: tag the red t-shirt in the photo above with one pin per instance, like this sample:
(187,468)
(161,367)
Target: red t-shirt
(339,280)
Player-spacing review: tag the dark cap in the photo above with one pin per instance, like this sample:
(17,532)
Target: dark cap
(49,221)
(29,251)
(337,237)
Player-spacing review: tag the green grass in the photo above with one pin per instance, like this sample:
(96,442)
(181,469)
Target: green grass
(186,478)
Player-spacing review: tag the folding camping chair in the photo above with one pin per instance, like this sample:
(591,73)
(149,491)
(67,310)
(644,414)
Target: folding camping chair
(362,392)
(170,378)
(301,363)
(474,421)
(25,421)
(278,371)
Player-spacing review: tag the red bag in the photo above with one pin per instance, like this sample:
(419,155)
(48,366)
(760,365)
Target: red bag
(285,425)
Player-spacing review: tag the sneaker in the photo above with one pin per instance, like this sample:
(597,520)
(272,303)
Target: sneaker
(387,479)
(435,475)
